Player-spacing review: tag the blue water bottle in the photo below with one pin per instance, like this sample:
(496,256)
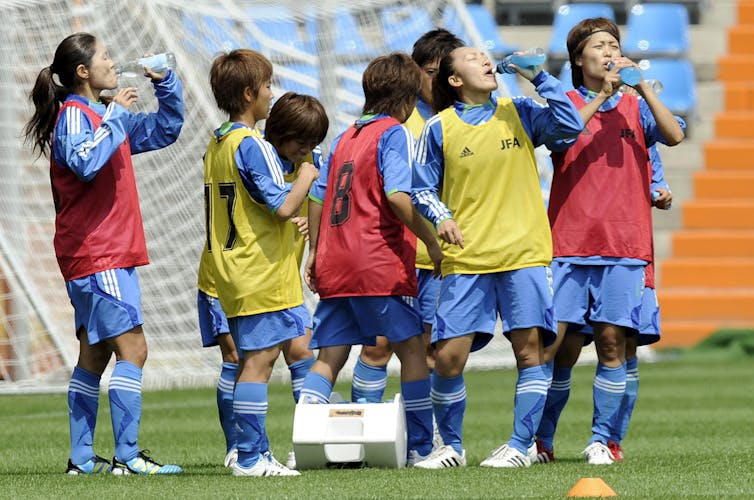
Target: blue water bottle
(527,59)
(628,75)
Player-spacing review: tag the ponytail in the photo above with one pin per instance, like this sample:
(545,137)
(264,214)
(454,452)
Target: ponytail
(47,95)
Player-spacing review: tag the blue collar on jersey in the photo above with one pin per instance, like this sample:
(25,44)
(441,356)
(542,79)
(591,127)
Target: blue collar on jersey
(609,104)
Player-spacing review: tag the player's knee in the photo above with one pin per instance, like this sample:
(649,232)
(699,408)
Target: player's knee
(377,355)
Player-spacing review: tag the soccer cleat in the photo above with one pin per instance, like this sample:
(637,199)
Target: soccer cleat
(95,465)
(265,466)
(443,458)
(290,462)
(598,454)
(506,457)
(231,457)
(538,454)
(143,465)
(615,450)
(414,458)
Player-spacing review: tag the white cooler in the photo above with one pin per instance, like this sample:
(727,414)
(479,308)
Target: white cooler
(350,435)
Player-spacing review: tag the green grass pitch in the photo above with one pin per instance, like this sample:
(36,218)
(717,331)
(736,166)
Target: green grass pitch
(691,436)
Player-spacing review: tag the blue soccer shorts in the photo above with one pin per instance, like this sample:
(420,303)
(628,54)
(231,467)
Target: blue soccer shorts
(359,320)
(106,304)
(212,319)
(649,325)
(426,299)
(471,303)
(260,331)
(588,294)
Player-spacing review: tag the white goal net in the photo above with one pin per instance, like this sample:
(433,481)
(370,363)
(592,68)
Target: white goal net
(319,49)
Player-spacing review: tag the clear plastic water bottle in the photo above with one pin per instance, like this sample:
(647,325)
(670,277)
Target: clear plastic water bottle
(158,63)
(656,86)
(529,58)
(628,75)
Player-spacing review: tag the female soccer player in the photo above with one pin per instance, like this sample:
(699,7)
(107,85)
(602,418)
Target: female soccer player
(648,333)
(601,222)
(361,253)
(296,125)
(370,373)
(251,244)
(99,237)
(476,181)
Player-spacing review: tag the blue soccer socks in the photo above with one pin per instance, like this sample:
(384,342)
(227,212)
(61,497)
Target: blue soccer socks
(557,397)
(83,402)
(298,370)
(449,403)
(225,386)
(528,404)
(316,389)
(250,410)
(629,399)
(418,415)
(125,408)
(608,391)
(368,382)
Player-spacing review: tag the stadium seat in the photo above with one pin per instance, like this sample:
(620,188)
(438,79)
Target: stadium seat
(218,31)
(485,25)
(289,78)
(566,18)
(348,40)
(401,26)
(279,24)
(657,30)
(678,81)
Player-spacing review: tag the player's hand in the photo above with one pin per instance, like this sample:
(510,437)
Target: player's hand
(529,73)
(436,255)
(449,232)
(303,225)
(308,170)
(664,200)
(611,81)
(309,272)
(126,97)
(156,77)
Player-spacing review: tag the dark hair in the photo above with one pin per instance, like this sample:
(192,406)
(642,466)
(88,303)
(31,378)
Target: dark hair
(578,37)
(231,73)
(296,116)
(444,94)
(47,94)
(433,45)
(390,82)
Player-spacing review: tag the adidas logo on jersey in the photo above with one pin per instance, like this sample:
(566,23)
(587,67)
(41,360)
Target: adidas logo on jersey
(466,152)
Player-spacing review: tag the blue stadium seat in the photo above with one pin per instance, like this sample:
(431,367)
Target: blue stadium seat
(353,87)
(678,81)
(566,18)
(565,76)
(348,40)
(217,35)
(205,45)
(279,24)
(402,25)
(486,25)
(294,84)
(657,29)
